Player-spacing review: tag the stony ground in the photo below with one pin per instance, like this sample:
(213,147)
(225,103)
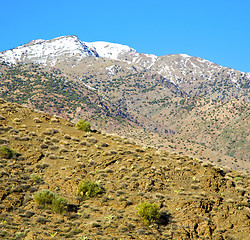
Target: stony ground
(197,200)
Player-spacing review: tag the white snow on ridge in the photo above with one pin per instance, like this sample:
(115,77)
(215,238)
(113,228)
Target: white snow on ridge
(50,52)
(248,75)
(110,69)
(185,55)
(40,51)
(109,50)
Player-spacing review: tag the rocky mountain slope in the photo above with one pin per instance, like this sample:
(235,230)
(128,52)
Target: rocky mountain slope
(178,68)
(192,75)
(176,102)
(196,200)
(153,113)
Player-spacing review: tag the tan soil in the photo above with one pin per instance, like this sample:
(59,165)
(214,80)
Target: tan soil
(200,201)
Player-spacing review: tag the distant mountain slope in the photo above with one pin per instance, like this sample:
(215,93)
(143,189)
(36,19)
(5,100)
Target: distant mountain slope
(55,93)
(140,106)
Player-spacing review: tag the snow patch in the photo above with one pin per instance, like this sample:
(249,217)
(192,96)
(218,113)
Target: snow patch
(86,85)
(40,51)
(185,55)
(109,50)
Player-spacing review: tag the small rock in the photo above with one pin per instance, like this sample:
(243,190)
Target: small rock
(75,139)
(140,231)
(95,224)
(29,214)
(92,140)
(53,148)
(4,141)
(194,186)
(109,170)
(52,156)
(139,150)
(33,134)
(56,140)
(44,146)
(104,144)
(66,136)
(37,120)
(63,150)
(134,174)
(17,120)
(54,120)
(41,220)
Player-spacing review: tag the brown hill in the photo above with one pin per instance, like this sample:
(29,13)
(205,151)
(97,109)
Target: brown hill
(197,200)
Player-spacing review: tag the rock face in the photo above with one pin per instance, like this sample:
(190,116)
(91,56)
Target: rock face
(196,200)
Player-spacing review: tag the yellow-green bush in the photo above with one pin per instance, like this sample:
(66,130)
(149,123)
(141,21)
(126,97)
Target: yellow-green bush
(88,188)
(44,198)
(50,200)
(59,204)
(7,152)
(36,178)
(83,125)
(148,212)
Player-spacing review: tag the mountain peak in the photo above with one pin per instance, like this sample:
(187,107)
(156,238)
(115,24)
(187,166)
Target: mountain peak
(110,50)
(51,51)
(48,51)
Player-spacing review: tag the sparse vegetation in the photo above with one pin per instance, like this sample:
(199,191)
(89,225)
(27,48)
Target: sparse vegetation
(44,198)
(59,204)
(36,178)
(88,188)
(48,199)
(83,125)
(7,152)
(129,173)
(148,212)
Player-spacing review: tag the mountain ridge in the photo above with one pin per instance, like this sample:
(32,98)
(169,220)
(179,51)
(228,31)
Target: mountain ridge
(177,68)
(100,46)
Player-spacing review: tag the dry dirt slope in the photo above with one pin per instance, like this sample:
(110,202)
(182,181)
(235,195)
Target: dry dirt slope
(197,200)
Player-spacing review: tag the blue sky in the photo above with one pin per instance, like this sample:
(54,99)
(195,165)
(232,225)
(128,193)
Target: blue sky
(216,30)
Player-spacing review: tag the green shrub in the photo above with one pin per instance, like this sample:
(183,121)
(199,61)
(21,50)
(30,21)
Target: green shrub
(36,178)
(83,125)
(87,188)
(7,152)
(59,204)
(51,200)
(148,212)
(44,198)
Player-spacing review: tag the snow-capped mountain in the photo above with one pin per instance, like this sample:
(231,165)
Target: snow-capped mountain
(181,69)
(48,52)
